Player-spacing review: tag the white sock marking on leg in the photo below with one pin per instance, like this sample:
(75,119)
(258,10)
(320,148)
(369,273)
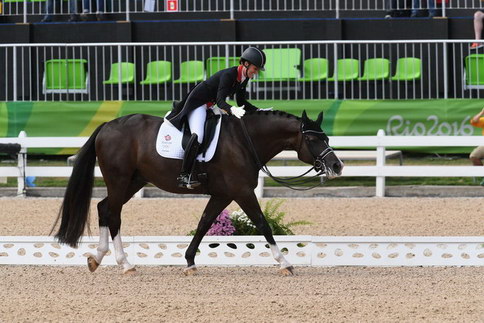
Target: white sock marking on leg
(279,257)
(119,253)
(103,247)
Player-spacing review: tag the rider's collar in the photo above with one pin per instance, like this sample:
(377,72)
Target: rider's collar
(240,74)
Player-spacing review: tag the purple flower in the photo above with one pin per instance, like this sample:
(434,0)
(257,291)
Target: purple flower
(222,226)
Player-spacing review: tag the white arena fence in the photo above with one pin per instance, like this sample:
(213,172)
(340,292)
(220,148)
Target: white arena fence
(231,8)
(295,70)
(380,171)
(253,250)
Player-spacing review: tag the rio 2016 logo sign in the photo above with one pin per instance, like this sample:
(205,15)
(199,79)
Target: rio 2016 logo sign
(432,126)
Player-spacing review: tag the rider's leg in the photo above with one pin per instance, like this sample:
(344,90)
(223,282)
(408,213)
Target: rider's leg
(196,120)
(191,151)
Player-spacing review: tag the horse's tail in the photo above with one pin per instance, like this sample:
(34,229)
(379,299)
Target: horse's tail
(74,212)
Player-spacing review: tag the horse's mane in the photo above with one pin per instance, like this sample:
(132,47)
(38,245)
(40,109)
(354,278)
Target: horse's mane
(273,112)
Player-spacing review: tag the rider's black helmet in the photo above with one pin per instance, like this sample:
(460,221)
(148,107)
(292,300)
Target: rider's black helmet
(254,56)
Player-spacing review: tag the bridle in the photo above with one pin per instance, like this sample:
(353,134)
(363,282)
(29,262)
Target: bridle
(319,159)
(300,180)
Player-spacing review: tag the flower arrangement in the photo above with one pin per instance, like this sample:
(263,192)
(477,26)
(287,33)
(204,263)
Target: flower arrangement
(238,223)
(222,226)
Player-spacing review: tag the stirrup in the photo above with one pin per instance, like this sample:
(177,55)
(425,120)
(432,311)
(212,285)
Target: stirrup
(185,181)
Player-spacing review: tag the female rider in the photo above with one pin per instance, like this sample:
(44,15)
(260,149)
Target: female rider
(214,90)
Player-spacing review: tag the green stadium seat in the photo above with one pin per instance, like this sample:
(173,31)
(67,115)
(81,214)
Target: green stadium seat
(315,69)
(348,70)
(282,64)
(408,69)
(376,69)
(215,64)
(157,72)
(474,72)
(190,72)
(65,76)
(127,73)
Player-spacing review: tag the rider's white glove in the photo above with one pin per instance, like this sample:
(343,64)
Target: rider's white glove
(238,111)
(265,109)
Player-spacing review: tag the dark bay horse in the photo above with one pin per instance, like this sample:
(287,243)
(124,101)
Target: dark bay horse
(126,153)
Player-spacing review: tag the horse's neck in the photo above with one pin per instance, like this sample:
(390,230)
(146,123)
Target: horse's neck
(271,135)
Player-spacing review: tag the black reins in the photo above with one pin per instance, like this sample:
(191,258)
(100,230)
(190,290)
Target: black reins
(290,182)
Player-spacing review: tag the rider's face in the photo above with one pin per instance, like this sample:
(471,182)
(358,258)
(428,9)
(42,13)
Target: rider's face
(251,70)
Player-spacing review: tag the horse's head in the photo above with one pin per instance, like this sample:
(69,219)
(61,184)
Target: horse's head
(314,148)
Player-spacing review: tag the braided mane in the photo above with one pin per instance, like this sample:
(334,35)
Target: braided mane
(275,113)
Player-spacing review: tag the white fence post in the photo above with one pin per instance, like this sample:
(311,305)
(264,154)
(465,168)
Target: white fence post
(14,73)
(21,163)
(127,10)
(231,10)
(380,163)
(120,74)
(25,12)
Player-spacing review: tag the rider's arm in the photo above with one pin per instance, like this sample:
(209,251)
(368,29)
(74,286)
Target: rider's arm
(225,89)
(242,101)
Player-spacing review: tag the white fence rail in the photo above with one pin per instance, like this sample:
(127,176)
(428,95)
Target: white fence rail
(379,142)
(228,7)
(253,250)
(407,69)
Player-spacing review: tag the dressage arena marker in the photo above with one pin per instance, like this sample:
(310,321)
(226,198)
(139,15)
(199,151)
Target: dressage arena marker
(254,250)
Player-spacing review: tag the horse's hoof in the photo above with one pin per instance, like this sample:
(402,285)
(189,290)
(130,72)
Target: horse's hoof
(190,271)
(92,264)
(130,271)
(288,271)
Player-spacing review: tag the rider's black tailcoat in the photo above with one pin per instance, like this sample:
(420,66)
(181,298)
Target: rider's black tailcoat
(214,90)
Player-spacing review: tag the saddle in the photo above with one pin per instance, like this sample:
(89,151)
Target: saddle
(171,142)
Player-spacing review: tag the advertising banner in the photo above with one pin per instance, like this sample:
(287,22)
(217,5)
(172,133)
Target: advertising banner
(341,118)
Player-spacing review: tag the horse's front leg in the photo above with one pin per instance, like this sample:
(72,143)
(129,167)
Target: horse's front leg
(212,210)
(251,207)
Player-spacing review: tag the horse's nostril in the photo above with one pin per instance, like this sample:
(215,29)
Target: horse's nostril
(337,168)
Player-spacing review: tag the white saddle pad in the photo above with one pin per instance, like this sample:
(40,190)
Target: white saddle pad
(168,141)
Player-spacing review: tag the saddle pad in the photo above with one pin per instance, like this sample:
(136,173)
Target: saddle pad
(169,139)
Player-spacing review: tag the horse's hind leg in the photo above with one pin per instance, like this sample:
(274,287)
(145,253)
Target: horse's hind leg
(93,261)
(251,207)
(110,221)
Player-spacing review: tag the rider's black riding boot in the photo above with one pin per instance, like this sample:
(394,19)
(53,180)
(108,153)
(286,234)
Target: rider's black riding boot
(191,152)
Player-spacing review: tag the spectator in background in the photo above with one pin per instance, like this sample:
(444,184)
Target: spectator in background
(477,155)
(87,9)
(478,18)
(417,6)
(50,10)
(390,6)
(397,8)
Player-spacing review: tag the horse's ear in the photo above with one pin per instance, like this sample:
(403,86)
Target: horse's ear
(304,115)
(319,121)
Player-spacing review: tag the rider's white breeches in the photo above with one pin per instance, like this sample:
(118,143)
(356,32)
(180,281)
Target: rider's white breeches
(196,120)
